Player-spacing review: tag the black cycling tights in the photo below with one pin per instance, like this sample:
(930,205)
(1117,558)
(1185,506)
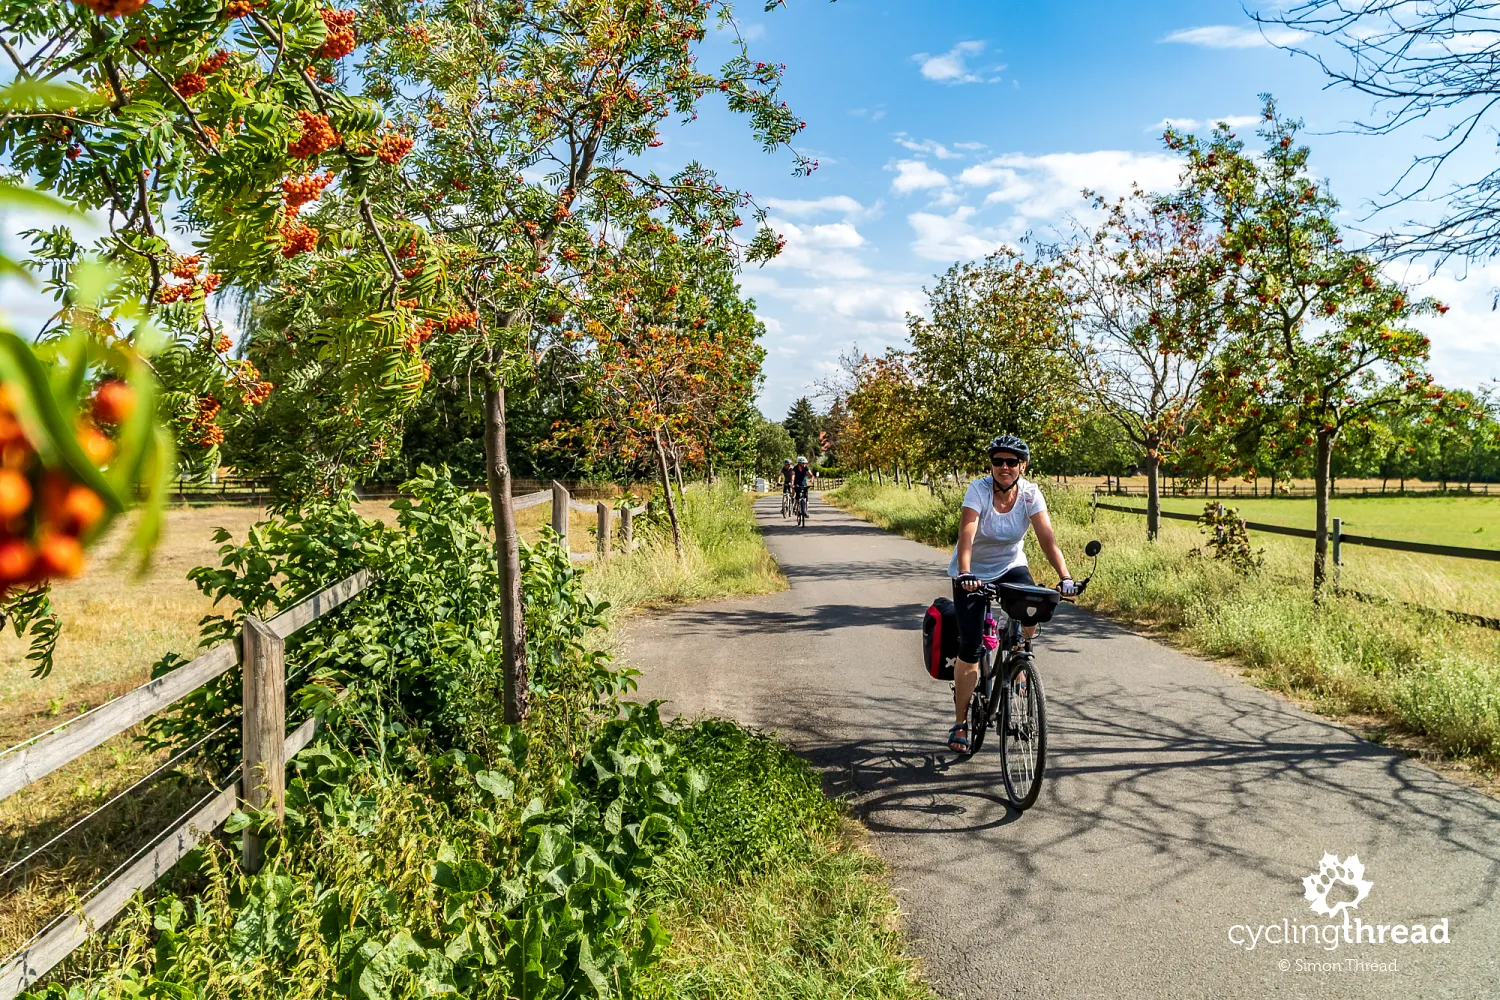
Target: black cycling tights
(971,612)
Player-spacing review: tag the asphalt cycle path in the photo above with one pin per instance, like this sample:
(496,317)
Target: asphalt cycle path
(1181,811)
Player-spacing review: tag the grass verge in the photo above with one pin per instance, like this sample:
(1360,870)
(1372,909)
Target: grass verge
(1420,680)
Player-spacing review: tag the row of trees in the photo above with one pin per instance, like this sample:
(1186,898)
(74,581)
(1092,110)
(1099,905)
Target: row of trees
(403,200)
(1219,329)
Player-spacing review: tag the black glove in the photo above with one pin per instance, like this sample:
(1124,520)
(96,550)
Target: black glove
(968,581)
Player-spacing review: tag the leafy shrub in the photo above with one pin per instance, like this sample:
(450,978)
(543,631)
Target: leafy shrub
(1228,538)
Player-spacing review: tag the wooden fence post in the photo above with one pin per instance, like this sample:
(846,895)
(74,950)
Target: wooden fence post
(1338,547)
(560,511)
(606,526)
(627,529)
(263,776)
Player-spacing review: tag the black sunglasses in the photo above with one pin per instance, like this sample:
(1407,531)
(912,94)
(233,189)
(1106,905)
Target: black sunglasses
(1009,463)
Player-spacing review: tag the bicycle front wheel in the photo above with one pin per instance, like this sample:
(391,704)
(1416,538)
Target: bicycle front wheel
(1023,735)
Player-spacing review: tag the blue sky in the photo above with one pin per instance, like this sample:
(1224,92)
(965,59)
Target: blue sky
(945,129)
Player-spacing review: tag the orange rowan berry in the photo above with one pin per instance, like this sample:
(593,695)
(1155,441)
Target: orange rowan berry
(96,446)
(15,494)
(81,510)
(113,402)
(317,136)
(17,557)
(59,555)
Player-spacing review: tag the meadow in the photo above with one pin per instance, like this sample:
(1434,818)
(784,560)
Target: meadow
(1410,676)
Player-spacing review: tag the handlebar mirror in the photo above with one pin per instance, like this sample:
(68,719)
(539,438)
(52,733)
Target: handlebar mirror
(1093,548)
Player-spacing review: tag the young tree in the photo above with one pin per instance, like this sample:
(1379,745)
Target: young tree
(678,359)
(773,445)
(1148,330)
(993,359)
(1319,337)
(885,420)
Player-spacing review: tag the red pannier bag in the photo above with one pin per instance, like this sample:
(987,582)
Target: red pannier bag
(940,639)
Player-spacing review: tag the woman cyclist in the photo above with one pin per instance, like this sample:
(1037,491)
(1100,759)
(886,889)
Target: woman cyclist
(997,511)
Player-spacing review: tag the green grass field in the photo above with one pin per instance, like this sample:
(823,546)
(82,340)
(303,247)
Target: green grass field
(1470,521)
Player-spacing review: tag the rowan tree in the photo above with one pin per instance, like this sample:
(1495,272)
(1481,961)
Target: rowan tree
(673,362)
(1319,337)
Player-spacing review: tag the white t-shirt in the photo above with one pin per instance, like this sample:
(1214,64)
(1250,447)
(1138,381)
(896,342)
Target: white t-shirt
(999,537)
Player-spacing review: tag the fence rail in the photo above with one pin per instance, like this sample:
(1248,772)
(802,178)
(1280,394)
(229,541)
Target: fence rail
(1237,490)
(265,670)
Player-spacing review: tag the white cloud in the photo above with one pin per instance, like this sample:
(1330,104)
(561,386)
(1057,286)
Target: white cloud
(951,237)
(927,146)
(1234,36)
(1050,186)
(1466,340)
(841,204)
(821,251)
(1194,124)
(916,175)
(952,67)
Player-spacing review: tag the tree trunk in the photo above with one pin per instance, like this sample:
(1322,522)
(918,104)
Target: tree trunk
(1322,479)
(507,553)
(1153,492)
(666,488)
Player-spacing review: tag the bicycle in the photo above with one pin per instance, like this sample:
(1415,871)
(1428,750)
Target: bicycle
(1020,698)
(801,505)
(786,504)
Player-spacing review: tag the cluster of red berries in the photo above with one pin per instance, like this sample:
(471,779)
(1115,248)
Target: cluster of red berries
(44,511)
(419,34)
(411,272)
(205,429)
(393,147)
(408,249)
(340,41)
(193,286)
(190,84)
(113,8)
(238,8)
(257,393)
(454,322)
(297,237)
(317,136)
(214,63)
(298,191)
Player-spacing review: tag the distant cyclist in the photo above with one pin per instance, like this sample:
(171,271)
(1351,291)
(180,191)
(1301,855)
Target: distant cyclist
(786,476)
(802,478)
(997,512)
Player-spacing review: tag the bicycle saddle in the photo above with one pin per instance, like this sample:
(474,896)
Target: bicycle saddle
(1027,605)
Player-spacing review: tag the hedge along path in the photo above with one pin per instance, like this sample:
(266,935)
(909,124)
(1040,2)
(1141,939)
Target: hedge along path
(263,723)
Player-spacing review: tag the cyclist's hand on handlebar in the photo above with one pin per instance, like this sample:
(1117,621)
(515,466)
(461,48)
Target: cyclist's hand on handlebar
(968,581)
(1068,588)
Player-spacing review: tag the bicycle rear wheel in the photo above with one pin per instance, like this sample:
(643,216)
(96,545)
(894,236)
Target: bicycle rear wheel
(1023,735)
(786,505)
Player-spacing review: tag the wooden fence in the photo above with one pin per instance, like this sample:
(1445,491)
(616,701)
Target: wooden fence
(260,781)
(1337,539)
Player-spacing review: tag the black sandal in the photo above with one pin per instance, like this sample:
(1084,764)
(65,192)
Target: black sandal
(957,743)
